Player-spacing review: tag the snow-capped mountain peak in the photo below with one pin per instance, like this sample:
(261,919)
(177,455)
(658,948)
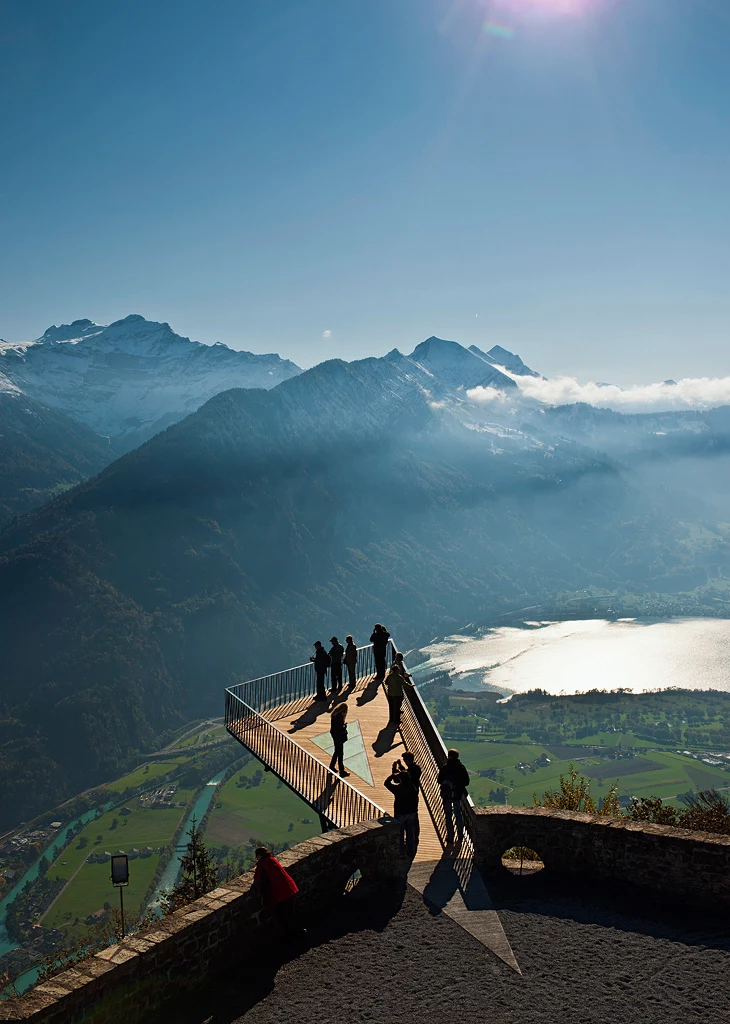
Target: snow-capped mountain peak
(502,357)
(454,366)
(71,333)
(133,377)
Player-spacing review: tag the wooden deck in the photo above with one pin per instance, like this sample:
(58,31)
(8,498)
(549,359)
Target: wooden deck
(381,745)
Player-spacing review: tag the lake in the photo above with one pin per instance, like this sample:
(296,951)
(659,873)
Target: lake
(577,655)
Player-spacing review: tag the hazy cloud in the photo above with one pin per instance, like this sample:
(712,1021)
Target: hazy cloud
(689,393)
(490,394)
(327,334)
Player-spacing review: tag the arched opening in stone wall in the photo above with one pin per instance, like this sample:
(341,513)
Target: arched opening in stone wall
(522,861)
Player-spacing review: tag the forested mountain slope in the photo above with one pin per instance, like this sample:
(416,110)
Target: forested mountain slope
(225,545)
(42,452)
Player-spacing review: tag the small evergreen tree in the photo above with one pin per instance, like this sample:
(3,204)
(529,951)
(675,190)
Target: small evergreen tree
(198,873)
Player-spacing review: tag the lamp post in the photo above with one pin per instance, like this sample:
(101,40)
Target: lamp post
(120,878)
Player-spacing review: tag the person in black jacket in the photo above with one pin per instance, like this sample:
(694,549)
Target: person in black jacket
(405,807)
(379,639)
(414,771)
(338,732)
(336,652)
(350,660)
(321,661)
(454,780)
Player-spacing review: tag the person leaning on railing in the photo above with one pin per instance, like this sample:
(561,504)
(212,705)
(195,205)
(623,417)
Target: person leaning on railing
(395,681)
(279,891)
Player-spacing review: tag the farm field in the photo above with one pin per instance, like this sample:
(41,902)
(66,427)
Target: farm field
(267,811)
(617,736)
(92,888)
(207,732)
(654,773)
(89,884)
(146,775)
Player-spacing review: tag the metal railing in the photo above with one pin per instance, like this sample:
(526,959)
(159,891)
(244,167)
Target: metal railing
(293,689)
(332,797)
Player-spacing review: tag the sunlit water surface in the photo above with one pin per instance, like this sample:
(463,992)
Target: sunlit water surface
(570,657)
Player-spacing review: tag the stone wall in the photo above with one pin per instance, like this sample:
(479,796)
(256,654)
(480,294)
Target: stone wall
(686,865)
(129,981)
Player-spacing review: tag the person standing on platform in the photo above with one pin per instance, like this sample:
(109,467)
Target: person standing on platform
(278,890)
(350,660)
(379,639)
(405,807)
(453,779)
(414,772)
(336,653)
(398,661)
(321,661)
(395,680)
(338,732)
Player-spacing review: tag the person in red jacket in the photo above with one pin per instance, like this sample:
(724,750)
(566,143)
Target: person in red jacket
(279,890)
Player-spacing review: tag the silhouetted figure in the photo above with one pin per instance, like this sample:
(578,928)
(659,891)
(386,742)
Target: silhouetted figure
(336,653)
(338,732)
(414,772)
(398,661)
(321,661)
(379,639)
(405,807)
(350,660)
(396,679)
(279,890)
(454,781)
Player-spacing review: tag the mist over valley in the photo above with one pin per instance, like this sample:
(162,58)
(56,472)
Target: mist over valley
(374,490)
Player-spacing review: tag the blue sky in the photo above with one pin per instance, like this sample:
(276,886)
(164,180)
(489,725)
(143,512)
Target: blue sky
(260,172)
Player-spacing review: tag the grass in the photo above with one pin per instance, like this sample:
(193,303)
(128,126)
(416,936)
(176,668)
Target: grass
(205,733)
(144,775)
(263,812)
(614,739)
(660,773)
(91,888)
(478,756)
(90,885)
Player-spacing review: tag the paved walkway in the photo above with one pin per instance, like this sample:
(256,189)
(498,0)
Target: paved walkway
(455,888)
(587,957)
(450,883)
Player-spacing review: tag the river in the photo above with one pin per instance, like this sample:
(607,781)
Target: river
(201,805)
(584,654)
(6,943)
(169,877)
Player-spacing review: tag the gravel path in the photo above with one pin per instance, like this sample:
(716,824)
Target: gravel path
(585,958)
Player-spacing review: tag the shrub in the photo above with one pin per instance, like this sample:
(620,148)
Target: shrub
(575,795)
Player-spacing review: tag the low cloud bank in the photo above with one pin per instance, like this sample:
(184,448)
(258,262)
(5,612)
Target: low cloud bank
(689,393)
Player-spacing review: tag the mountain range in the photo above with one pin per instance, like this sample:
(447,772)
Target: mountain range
(132,378)
(350,493)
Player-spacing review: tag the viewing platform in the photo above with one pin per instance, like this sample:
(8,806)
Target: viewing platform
(279,721)
(277,718)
